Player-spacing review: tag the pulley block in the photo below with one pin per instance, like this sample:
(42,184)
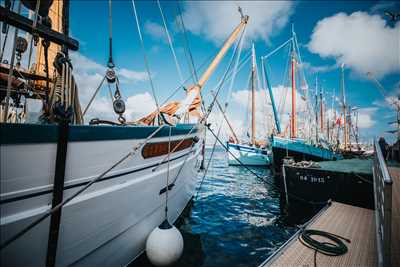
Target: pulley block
(21,45)
(119,106)
(110,75)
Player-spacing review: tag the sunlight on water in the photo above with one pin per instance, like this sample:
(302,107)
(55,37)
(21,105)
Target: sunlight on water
(237,219)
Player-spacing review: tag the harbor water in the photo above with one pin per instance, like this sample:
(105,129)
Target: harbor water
(236,218)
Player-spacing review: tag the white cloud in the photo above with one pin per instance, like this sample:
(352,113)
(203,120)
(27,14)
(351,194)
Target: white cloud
(365,119)
(155,30)
(317,69)
(132,76)
(216,19)
(264,114)
(88,75)
(139,105)
(364,42)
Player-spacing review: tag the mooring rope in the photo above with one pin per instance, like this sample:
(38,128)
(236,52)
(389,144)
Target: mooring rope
(334,248)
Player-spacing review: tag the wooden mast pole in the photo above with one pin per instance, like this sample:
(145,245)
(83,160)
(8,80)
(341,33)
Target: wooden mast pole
(293,115)
(228,43)
(253,99)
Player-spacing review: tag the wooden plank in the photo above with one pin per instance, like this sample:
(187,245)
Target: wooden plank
(395,247)
(355,223)
(25,24)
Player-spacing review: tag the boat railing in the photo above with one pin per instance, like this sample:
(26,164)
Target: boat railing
(383,206)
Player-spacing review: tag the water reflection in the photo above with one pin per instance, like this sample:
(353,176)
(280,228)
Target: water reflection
(237,219)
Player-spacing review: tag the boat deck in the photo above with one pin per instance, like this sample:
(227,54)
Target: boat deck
(395,248)
(357,224)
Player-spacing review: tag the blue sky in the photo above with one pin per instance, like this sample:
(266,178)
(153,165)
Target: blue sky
(329,33)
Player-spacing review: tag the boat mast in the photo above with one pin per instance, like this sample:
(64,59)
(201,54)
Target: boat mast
(344,108)
(267,82)
(293,125)
(253,99)
(316,107)
(223,50)
(321,109)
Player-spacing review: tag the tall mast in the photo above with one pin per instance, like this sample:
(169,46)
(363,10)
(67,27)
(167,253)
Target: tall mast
(344,107)
(253,99)
(193,93)
(223,50)
(316,106)
(271,95)
(293,126)
(321,111)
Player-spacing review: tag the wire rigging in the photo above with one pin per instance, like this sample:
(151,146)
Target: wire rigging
(146,63)
(110,58)
(188,53)
(178,68)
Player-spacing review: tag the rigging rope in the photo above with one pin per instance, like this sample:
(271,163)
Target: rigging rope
(94,95)
(209,162)
(6,34)
(178,68)
(240,44)
(11,70)
(188,53)
(146,63)
(220,84)
(110,58)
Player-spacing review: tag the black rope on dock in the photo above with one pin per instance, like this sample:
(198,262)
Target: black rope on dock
(334,248)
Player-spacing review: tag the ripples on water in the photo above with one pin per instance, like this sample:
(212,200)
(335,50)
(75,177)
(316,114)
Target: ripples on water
(237,219)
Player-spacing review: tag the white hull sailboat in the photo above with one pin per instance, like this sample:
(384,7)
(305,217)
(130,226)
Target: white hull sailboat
(89,195)
(247,155)
(108,224)
(250,153)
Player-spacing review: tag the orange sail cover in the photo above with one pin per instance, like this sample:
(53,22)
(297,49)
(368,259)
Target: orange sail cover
(171,108)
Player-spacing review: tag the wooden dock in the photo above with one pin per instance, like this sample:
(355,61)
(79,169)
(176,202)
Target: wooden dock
(395,249)
(374,234)
(354,223)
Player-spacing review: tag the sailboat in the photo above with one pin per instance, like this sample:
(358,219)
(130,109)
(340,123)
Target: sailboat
(79,194)
(292,146)
(251,153)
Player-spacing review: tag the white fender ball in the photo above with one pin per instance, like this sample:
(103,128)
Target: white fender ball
(164,245)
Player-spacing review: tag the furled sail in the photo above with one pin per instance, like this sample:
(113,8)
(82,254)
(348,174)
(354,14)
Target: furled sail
(178,108)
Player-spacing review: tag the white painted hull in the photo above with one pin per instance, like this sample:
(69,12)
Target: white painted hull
(247,155)
(106,225)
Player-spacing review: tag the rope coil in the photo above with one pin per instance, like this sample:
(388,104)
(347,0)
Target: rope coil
(334,248)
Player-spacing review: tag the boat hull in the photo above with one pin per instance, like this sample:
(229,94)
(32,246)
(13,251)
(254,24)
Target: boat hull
(317,185)
(299,151)
(247,155)
(108,223)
